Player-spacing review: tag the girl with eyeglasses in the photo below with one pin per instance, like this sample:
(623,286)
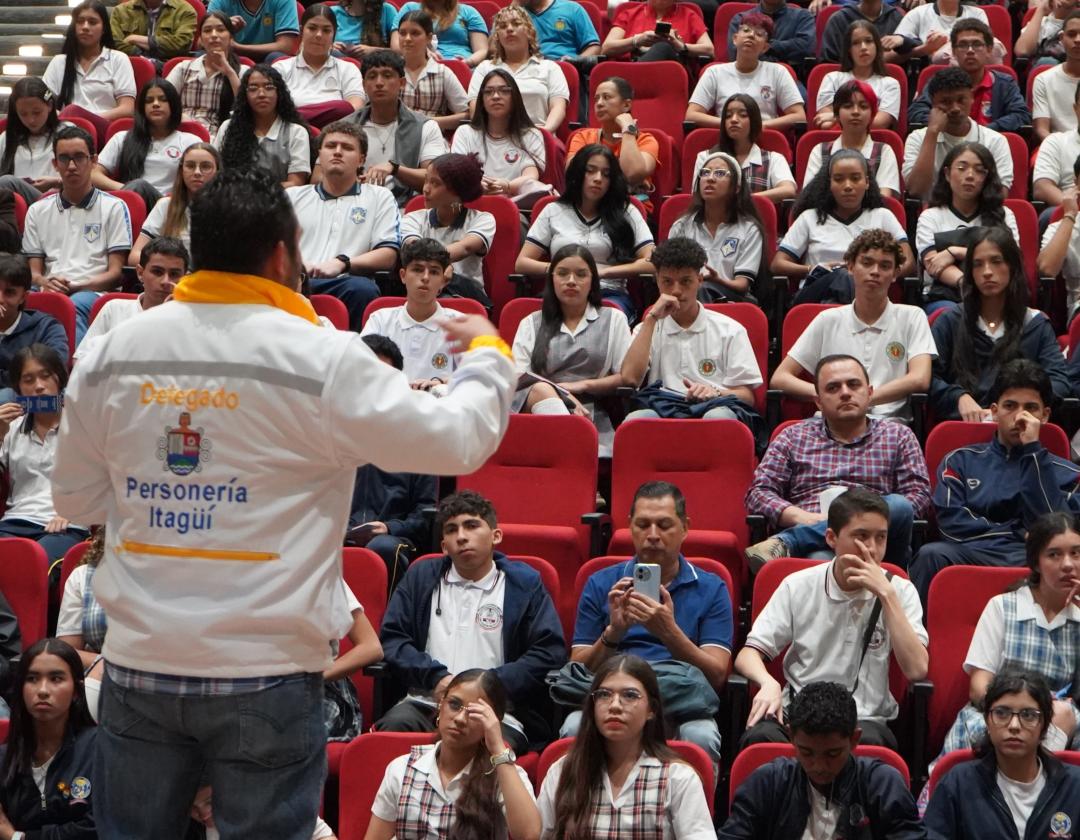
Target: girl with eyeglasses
(1035,626)
(145,158)
(967,195)
(856,107)
(862,59)
(573,341)
(171,216)
(722,219)
(620,778)
(467,785)
(1015,787)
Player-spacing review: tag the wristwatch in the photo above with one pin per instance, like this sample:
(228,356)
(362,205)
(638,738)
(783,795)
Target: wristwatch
(345,260)
(505,757)
(632,130)
(394,166)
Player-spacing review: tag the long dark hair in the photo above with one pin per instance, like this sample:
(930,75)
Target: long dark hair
(318,10)
(582,777)
(240,146)
(965,366)
(16,133)
(740,204)
(371,19)
(226,97)
(847,63)
(45,356)
(991,200)
(1039,535)
(137,141)
(613,206)
(70,49)
(180,198)
(551,315)
(753,111)
(817,195)
(22,737)
(519,125)
(1013,682)
(475,818)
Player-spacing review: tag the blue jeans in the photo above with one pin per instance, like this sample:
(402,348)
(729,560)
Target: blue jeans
(354,291)
(264,754)
(83,302)
(935,305)
(808,540)
(622,300)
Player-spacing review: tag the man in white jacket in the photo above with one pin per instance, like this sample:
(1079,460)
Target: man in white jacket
(217,437)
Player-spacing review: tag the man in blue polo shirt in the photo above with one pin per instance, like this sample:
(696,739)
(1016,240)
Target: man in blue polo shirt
(270,31)
(690,623)
(566,33)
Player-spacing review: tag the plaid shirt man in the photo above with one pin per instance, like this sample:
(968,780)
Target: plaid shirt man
(806,459)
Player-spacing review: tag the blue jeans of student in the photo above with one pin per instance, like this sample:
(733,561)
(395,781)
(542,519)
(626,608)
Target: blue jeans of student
(83,302)
(54,545)
(263,753)
(354,291)
(809,540)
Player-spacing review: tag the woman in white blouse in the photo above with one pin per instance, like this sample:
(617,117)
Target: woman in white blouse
(620,778)
(542,84)
(862,58)
(449,789)
(26,145)
(89,78)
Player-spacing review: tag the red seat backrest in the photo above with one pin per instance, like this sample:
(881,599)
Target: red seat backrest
(72,560)
(143,69)
(24,580)
(692,754)
(365,574)
(958,595)
(1001,25)
(61,308)
(362,768)
(1027,222)
(573,103)
(752,317)
(105,298)
(953,434)
(118,125)
(20,212)
(796,321)
(661,91)
(329,307)
(1018,191)
(697,457)
(136,210)
(757,755)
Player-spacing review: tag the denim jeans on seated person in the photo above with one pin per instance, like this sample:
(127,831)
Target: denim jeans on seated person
(809,540)
(263,752)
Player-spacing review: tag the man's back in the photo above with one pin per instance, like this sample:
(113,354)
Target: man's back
(217,478)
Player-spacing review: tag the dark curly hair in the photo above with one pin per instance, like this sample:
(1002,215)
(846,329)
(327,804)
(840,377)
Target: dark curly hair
(240,146)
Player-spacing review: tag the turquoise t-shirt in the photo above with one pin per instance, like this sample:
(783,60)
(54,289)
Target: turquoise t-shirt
(350,29)
(453,41)
(563,29)
(273,18)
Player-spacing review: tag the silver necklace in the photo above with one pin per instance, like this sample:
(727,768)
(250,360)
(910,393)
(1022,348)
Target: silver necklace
(381,138)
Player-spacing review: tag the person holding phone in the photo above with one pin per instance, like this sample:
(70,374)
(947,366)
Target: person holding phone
(658,30)
(689,620)
(29,425)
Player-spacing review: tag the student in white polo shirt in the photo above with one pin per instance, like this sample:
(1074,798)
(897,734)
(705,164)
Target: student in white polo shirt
(770,84)
(161,265)
(77,240)
(89,78)
(146,158)
(452,181)
(1060,252)
(892,340)
(325,88)
(948,125)
(416,326)
(1053,92)
(1053,172)
(700,358)
(349,230)
(472,608)
(840,621)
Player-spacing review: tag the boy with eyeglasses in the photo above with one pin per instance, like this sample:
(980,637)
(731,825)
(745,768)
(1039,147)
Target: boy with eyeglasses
(997,101)
(77,240)
(771,84)
(826,790)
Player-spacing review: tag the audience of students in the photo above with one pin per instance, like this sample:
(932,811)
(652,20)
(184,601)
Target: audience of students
(22,327)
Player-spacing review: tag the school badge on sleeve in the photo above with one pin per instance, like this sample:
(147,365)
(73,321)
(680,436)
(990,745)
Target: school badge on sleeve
(80,790)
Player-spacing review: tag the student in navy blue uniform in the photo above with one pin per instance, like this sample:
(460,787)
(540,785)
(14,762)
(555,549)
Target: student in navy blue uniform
(1014,788)
(472,608)
(989,494)
(47,773)
(824,791)
(20,326)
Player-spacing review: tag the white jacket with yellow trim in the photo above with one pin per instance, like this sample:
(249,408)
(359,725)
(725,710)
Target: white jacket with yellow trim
(218,443)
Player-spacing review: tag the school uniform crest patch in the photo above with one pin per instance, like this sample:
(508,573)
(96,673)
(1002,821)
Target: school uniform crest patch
(895,351)
(92,231)
(489,617)
(512,156)
(729,246)
(1061,825)
(560,25)
(439,361)
(766,92)
(358,215)
(706,367)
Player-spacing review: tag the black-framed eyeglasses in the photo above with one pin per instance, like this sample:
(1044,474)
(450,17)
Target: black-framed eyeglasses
(1003,715)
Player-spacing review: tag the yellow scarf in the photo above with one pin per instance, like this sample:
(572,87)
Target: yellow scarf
(226,287)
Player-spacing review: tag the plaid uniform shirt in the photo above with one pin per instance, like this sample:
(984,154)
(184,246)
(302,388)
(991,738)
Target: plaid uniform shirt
(644,818)
(428,95)
(180,686)
(420,813)
(200,96)
(806,459)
